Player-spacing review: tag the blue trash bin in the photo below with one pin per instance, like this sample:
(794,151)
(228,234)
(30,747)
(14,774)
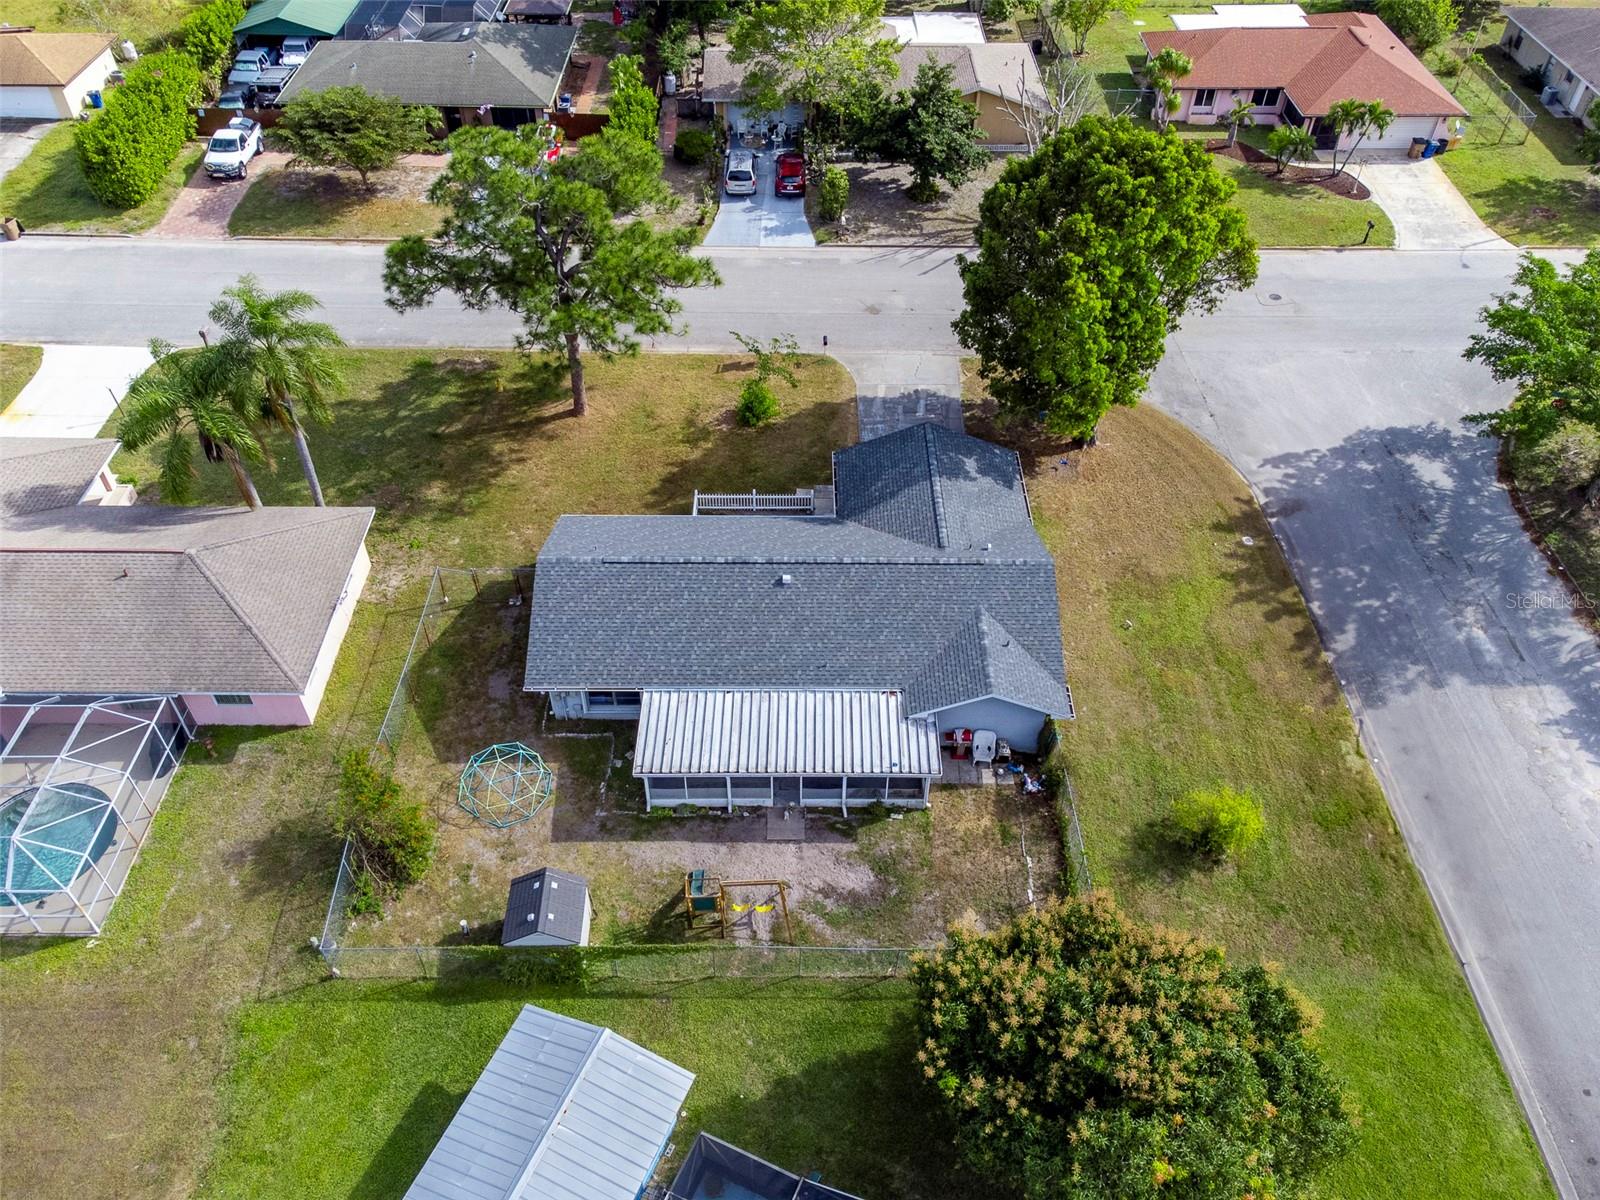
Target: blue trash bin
(95,100)
(1430,149)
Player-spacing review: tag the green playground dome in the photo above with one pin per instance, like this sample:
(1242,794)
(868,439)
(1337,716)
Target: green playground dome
(505,784)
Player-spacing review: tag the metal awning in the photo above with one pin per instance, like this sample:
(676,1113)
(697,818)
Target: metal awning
(782,732)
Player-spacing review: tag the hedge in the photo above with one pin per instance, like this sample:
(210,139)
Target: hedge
(126,149)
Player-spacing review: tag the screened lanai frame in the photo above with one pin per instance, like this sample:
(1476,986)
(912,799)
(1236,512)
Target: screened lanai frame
(125,747)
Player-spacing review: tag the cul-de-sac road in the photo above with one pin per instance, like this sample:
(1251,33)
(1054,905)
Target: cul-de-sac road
(1336,387)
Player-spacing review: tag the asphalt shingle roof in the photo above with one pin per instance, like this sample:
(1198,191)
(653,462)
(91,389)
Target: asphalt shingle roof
(33,59)
(545,901)
(1005,69)
(1571,34)
(932,531)
(501,64)
(154,599)
(41,473)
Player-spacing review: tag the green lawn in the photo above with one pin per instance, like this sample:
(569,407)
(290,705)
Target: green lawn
(330,204)
(1194,663)
(17,365)
(146,22)
(47,192)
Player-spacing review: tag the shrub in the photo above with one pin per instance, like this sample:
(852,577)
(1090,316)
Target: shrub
(1216,824)
(834,194)
(393,839)
(1081,1054)
(126,148)
(562,966)
(348,126)
(1566,458)
(757,404)
(206,35)
(1423,23)
(692,146)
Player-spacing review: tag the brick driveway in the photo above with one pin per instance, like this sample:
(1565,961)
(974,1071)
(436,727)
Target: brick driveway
(202,208)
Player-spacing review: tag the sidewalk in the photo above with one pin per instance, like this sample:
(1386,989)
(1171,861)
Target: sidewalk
(74,392)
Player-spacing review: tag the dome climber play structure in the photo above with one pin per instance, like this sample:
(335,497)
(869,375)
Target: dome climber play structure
(506,784)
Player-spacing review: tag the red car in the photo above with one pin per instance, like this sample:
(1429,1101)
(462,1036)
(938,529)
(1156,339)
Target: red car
(791,180)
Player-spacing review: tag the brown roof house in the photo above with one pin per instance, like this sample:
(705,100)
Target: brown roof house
(237,614)
(48,76)
(1563,45)
(1295,75)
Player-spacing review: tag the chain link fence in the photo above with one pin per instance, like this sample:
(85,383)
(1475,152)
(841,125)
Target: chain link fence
(1498,114)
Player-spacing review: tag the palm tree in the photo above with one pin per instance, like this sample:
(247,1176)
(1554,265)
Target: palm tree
(285,356)
(1241,114)
(183,397)
(1164,71)
(1359,117)
(1291,143)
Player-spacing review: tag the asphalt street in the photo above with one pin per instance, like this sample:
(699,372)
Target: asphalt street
(1336,387)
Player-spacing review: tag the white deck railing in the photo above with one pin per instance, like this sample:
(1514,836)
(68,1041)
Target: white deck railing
(753,502)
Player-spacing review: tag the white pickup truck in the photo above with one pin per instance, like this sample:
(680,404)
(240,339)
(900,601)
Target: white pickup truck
(232,147)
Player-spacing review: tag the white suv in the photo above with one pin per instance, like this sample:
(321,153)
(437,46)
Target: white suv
(232,147)
(739,179)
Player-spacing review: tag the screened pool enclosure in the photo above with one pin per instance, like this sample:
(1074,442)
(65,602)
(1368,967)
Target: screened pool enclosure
(81,778)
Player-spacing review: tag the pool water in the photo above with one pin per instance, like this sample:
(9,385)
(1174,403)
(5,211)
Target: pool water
(51,835)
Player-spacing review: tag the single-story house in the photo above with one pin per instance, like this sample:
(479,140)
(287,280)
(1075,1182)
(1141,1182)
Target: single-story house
(564,1110)
(268,22)
(812,649)
(1564,44)
(48,76)
(1294,76)
(239,614)
(547,907)
(991,76)
(475,72)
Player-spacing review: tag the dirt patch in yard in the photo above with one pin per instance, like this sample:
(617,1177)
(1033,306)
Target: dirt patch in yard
(881,212)
(1340,184)
(317,203)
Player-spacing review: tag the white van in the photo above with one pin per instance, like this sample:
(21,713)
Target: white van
(739,179)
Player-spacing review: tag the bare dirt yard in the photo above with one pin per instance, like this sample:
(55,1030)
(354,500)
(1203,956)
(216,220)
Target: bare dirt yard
(880,212)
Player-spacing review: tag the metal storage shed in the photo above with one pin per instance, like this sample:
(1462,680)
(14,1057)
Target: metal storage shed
(565,1110)
(294,18)
(547,907)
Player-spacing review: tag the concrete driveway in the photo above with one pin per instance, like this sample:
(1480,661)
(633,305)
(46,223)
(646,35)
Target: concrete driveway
(17,139)
(763,219)
(74,392)
(1427,211)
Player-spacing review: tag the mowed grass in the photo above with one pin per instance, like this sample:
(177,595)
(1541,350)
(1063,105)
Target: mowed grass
(17,366)
(333,204)
(121,1047)
(144,21)
(47,191)
(1194,663)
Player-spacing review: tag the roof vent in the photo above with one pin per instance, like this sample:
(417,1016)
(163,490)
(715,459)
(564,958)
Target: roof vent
(785,580)
(534,917)
(472,56)
(465,33)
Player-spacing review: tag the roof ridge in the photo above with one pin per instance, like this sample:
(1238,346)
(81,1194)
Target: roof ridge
(939,524)
(249,625)
(332,514)
(537,1153)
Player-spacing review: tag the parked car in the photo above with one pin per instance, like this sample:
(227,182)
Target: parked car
(270,84)
(231,148)
(248,66)
(293,51)
(739,178)
(791,178)
(237,96)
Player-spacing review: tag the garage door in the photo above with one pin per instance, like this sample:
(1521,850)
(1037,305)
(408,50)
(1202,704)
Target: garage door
(1400,134)
(39,102)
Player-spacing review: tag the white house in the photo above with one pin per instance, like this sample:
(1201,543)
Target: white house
(815,649)
(1563,44)
(49,76)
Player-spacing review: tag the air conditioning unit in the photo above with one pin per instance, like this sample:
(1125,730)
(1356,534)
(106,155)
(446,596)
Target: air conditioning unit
(1549,95)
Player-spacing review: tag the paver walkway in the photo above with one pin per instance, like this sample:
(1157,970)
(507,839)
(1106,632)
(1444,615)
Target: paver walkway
(1427,211)
(202,208)
(74,391)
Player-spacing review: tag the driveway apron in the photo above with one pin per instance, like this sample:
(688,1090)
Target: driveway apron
(1427,211)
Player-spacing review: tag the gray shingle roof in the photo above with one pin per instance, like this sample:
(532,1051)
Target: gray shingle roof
(41,473)
(157,599)
(545,901)
(502,64)
(564,1110)
(1005,69)
(871,599)
(1571,34)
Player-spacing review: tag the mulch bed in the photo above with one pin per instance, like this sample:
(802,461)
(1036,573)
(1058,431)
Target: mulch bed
(1342,184)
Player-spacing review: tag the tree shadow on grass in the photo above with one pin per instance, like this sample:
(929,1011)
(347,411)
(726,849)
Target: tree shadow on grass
(1559,211)
(408,1145)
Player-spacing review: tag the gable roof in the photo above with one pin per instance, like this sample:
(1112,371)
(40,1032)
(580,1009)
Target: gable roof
(564,1110)
(1004,69)
(292,17)
(41,473)
(33,59)
(501,64)
(1571,34)
(1337,56)
(932,529)
(155,599)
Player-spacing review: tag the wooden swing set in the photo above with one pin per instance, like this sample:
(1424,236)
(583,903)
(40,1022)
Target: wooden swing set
(706,897)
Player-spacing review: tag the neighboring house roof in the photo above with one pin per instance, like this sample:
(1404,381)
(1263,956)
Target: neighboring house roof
(932,529)
(291,17)
(154,600)
(1338,56)
(496,63)
(41,473)
(1004,69)
(1243,16)
(781,732)
(1571,34)
(545,901)
(565,1110)
(936,28)
(32,59)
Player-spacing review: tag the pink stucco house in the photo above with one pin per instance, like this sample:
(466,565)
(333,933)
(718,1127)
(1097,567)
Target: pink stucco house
(1294,75)
(237,613)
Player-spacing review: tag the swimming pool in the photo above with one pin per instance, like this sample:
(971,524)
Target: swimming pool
(49,836)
